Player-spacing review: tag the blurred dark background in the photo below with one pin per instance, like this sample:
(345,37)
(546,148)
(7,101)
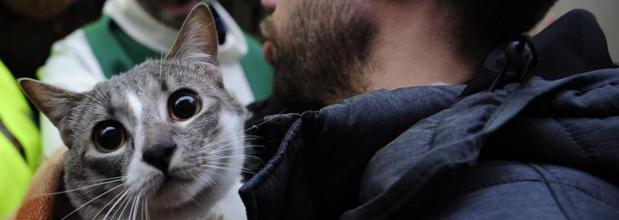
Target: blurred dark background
(28,28)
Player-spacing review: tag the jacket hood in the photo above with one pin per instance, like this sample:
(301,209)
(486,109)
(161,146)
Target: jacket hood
(381,150)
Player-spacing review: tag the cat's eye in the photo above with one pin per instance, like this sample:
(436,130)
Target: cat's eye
(108,135)
(183,104)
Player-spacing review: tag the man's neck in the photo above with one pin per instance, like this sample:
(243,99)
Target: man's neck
(412,49)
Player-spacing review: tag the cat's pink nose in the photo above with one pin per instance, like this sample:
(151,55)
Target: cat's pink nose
(159,156)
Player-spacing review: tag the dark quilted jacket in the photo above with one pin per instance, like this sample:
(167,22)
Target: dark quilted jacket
(543,148)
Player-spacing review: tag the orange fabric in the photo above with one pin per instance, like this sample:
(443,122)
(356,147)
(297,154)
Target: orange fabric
(39,204)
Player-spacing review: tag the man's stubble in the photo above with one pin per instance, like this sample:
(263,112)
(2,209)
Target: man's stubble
(321,53)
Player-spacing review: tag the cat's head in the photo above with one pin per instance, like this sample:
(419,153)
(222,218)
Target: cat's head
(164,135)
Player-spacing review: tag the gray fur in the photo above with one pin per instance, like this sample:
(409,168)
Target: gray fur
(210,145)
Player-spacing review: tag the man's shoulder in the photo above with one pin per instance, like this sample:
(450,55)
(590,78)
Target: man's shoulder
(77,40)
(71,59)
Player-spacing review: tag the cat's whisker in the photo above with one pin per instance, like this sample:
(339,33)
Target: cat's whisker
(116,203)
(248,129)
(252,137)
(81,188)
(125,205)
(138,207)
(104,179)
(223,167)
(245,146)
(117,196)
(220,168)
(227,146)
(228,167)
(194,200)
(143,209)
(270,118)
(146,208)
(210,181)
(224,149)
(229,137)
(212,154)
(254,146)
(117,209)
(244,158)
(222,144)
(231,150)
(99,196)
(130,204)
(134,207)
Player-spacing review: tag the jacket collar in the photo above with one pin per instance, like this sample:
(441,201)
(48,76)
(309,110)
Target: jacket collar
(573,44)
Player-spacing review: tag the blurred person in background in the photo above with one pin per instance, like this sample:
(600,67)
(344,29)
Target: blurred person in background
(129,32)
(38,9)
(30,27)
(20,152)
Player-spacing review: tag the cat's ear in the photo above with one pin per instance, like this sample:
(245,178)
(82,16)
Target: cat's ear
(52,101)
(197,38)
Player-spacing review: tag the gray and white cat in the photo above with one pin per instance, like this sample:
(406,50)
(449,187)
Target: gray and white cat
(163,140)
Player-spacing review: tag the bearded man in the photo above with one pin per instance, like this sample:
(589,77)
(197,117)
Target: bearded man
(456,114)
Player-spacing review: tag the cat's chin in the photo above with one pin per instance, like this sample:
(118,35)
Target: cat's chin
(173,200)
(173,193)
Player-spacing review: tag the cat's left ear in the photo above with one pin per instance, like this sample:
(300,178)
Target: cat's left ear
(53,102)
(197,38)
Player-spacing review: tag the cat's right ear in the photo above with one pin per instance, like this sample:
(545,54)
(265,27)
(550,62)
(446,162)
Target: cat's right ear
(52,101)
(197,39)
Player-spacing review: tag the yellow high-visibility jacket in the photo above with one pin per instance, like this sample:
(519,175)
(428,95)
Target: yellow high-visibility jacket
(20,151)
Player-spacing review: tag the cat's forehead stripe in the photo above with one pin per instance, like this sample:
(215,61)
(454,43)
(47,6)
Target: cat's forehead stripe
(135,104)
(136,107)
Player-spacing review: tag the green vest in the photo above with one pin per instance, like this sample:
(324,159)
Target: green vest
(20,160)
(117,52)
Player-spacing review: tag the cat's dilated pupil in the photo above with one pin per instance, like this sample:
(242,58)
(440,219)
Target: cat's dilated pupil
(108,135)
(183,104)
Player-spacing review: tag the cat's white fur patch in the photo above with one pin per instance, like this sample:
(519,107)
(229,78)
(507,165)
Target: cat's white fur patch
(233,126)
(134,175)
(136,108)
(230,206)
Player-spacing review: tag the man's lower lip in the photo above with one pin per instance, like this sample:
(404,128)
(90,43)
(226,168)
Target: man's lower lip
(267,51)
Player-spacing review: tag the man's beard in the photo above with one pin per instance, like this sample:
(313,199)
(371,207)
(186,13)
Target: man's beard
(320,55)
